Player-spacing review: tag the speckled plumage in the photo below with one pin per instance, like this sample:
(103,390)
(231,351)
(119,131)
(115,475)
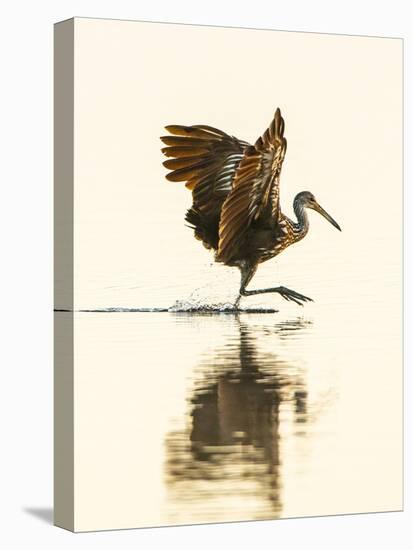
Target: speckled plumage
(235,189)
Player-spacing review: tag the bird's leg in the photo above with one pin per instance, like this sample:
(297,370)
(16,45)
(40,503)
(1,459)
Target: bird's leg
(247,272)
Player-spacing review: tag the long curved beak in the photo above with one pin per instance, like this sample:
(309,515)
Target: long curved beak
(327,216)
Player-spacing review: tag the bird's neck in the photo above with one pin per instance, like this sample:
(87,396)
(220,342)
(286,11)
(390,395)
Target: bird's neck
(300,227)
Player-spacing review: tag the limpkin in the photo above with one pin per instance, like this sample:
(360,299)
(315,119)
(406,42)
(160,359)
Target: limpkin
(235,189)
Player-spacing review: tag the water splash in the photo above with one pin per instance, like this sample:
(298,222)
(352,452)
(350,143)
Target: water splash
(204,299)
(195,306)
(190,306)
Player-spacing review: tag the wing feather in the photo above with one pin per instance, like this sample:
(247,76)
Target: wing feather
(255,190)
(184,151)
(206,159)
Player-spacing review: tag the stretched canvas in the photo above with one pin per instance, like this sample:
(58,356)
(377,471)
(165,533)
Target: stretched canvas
(228,310)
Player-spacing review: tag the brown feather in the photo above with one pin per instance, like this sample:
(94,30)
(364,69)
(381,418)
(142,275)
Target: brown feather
(185,162)
(185,174)
(191,131)
(206,159)
(255,188)
(211,130)
(186,141)
(184,151)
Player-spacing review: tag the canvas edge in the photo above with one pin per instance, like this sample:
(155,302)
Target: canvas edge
(63,175)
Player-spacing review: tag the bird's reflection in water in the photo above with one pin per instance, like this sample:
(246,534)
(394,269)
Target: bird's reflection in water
(226,465)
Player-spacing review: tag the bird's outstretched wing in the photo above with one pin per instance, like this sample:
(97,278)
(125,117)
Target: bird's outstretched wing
(206,159)
(255,190)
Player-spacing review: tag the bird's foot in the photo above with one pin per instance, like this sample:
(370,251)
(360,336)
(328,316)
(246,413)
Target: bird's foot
(286,293)
(291,295)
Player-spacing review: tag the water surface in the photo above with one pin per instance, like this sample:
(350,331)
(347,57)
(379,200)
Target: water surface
(190,418)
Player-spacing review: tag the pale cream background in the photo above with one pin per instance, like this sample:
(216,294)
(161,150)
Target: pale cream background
(341,100)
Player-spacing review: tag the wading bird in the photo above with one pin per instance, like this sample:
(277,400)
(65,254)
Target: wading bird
(235,189)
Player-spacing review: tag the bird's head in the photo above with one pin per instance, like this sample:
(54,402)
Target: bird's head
(306,199)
